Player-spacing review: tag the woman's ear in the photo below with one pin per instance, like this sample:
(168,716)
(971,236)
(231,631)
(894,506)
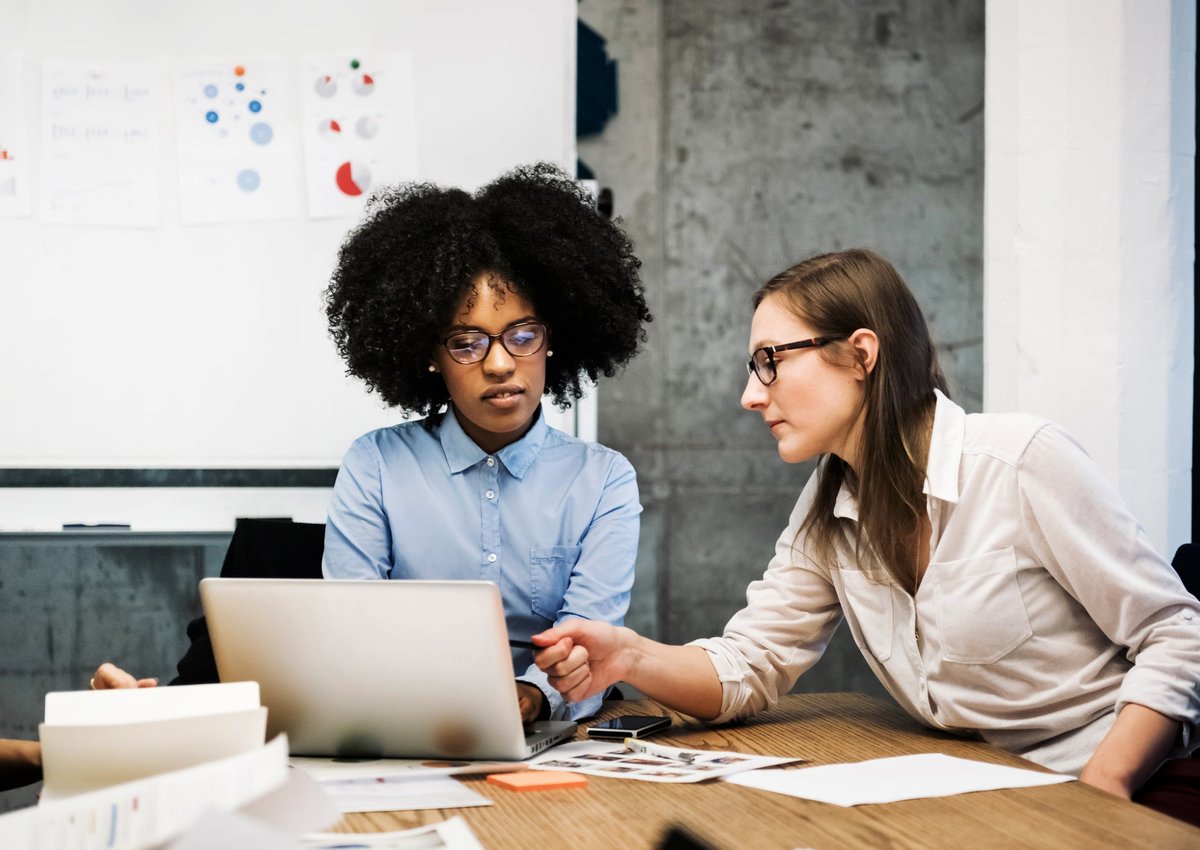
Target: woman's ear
(866,350)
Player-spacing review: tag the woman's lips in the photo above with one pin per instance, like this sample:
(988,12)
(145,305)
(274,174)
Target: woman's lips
(503,397)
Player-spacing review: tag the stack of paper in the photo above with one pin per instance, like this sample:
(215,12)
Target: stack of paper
(93,739)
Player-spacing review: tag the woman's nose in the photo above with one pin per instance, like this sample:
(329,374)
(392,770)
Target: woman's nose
(498,361)
(754,397)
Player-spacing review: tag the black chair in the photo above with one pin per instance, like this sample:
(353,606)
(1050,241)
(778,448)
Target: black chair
(1187,563)
(259,548)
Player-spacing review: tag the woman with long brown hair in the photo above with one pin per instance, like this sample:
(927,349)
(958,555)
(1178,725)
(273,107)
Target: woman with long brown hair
(992,577)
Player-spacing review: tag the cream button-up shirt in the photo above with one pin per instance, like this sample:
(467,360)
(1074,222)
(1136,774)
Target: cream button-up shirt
(1042,612)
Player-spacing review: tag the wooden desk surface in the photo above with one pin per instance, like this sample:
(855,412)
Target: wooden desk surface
(823,729)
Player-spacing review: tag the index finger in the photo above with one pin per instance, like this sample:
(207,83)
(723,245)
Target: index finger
(550,655)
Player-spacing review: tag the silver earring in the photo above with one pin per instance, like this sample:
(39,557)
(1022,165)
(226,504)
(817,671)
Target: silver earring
(432,368)
(550,353)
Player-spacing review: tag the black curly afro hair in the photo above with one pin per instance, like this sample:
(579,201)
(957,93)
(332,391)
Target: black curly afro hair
(402,272)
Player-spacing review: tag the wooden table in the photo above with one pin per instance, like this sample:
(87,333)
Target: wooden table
(822,729)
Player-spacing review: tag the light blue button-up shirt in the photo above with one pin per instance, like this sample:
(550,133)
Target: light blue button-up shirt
(551,519)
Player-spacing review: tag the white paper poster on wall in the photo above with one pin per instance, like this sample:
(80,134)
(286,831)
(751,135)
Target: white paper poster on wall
(238,147)
(359,128)
(99,154)
(14,140)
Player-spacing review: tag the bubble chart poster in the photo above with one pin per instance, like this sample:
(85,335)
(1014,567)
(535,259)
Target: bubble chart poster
(238,143)
(359,128)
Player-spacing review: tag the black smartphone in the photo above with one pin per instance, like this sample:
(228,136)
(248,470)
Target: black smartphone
(629,726)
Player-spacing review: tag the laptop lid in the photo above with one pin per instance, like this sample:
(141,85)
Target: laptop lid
(402,669)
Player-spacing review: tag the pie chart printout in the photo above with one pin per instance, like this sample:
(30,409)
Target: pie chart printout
(353,178)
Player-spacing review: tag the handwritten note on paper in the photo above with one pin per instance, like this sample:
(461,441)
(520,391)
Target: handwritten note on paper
(359,129)
(14,143)
(239,154)
(99,144)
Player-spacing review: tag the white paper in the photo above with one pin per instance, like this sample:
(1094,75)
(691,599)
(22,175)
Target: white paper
(395,794)
(614,761)
(14,140)
(322,769)
(239,149)
(226,830)
(891,779)
(99,152)
(96,738)
(299,805)
(150,811)
(359,128)
(450,834)
(132,705)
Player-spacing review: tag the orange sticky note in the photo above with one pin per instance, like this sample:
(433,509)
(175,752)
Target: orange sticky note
(537,780)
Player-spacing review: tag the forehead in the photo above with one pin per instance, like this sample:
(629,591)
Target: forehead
(490,305)
(775,324)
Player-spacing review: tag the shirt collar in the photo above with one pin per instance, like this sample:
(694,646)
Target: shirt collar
(462,452)
(941,469)
(945,449)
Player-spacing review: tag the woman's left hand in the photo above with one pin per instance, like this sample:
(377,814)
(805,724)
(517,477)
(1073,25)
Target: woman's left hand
(529,700)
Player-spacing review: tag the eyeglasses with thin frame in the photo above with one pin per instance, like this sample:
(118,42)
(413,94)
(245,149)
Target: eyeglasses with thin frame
(523,339)
(762,361)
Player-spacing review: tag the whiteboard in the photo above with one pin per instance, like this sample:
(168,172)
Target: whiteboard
(205,346)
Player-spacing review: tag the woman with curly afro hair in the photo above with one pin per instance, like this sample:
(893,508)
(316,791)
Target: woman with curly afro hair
(467,310)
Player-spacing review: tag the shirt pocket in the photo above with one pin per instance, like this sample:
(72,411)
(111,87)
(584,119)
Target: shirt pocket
(869,613)
(549,574)
(980,610)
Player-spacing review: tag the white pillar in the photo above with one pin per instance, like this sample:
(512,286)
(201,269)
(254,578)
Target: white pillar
(1088,235)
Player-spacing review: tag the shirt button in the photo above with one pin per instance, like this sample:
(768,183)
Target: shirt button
(492,558)
(491,494)
(491,461)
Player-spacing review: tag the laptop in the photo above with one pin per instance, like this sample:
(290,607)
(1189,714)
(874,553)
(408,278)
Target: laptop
(371,669)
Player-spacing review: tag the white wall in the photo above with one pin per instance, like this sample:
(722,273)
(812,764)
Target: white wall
(1089,208)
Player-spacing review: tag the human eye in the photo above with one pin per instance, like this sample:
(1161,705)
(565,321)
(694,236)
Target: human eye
(467,346)
(523,337)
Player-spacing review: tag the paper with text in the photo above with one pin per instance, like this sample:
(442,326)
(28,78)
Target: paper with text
(99,151)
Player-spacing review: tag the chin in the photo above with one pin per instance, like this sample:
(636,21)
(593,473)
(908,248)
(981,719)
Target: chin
(794,454)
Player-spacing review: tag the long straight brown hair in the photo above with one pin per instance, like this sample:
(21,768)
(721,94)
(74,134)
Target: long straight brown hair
(837,294)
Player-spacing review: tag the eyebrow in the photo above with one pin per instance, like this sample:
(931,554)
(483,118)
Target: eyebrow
(454,329)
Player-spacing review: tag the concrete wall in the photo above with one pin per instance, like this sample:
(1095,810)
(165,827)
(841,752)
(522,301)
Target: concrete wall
(750,135)
(69,603)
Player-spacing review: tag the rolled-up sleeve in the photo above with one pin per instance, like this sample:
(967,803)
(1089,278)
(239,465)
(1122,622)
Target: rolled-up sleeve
(790,614)
(1088,540)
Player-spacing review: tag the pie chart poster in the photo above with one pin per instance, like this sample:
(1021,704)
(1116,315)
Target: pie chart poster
(359,128)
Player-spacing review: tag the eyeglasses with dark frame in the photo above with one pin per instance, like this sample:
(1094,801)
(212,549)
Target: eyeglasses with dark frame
(523,339)
(762,361)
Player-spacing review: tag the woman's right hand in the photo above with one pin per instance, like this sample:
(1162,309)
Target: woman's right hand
(583,658)
(109,676)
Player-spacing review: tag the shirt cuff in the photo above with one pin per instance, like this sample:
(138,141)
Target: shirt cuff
(554,707)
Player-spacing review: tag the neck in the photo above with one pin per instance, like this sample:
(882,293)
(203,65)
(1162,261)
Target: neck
(492,441)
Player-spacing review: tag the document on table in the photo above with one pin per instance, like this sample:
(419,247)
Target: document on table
(325,769)
(147,812)
(891,779)
(400,793)
(450,834)
(650,762)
